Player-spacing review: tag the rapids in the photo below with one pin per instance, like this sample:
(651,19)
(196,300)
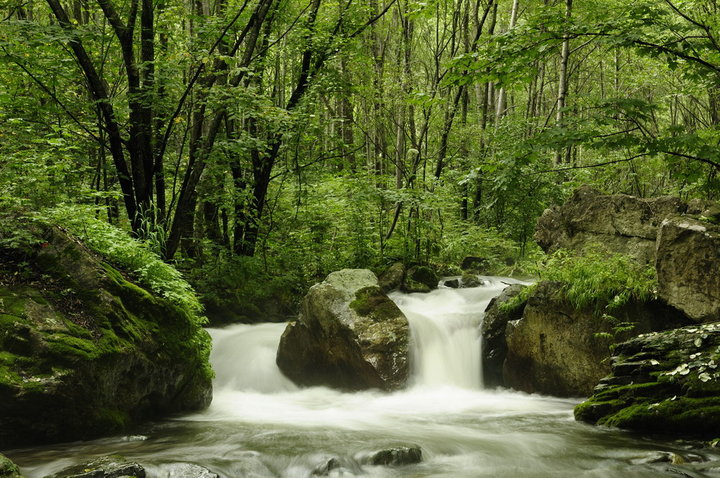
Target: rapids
(260,425)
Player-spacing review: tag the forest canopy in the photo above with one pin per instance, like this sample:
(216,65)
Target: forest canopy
(284,139)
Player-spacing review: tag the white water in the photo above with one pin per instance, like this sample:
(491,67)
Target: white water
(262,426)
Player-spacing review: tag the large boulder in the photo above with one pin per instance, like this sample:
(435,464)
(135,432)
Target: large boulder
(688,267)
(349,335)
(666,382)
(557,349)
(85,352)
(622,223)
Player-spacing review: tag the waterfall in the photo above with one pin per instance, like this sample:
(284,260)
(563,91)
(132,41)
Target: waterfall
(445,333)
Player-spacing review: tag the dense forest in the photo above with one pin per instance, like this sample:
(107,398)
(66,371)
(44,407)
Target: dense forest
(260,144)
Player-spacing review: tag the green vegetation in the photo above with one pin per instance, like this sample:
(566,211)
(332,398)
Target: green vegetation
(595,278)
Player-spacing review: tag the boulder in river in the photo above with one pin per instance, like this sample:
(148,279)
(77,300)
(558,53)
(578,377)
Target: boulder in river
(349,335)
(112,466)
(85,352)
(420,279)
(395,456)
(664,382)
(688,267)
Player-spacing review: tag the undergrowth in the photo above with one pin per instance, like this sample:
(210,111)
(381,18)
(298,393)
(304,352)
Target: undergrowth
(595,278)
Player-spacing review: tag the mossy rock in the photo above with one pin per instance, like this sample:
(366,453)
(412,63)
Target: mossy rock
(349,336)
(85,352)
(113,466)
(664,382)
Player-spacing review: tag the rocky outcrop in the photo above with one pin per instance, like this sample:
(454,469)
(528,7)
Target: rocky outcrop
(622,223)
(349,335)
(413,279)
(85,352)
(688,267)
(667,382)
(493,345)
(557,349)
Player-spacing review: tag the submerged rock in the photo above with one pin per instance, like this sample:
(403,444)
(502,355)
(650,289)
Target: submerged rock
(8,469)
(557,349)
(667,382)
(622,223)
(113,466)
(688,267)
(84,352)
(396,456)
(349,335)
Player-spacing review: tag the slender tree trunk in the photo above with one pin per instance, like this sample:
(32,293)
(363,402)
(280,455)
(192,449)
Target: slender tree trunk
(563,155)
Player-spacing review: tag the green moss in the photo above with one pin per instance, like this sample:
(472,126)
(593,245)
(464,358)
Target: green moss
(371,301)
(112,419)
(677,415)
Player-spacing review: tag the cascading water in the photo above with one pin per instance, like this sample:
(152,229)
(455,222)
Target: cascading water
(262,426)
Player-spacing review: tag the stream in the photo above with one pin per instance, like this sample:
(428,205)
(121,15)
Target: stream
(260,425)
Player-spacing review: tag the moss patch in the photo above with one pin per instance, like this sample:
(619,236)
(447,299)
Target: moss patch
(371,301)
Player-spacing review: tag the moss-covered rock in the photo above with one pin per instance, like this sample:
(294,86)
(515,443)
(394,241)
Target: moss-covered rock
(665,382)
(558,349)
(349,335)
(85,352)
(8,469)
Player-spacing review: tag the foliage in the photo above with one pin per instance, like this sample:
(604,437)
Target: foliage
(596,278)
(130,255)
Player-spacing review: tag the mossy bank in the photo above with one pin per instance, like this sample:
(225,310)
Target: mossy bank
(86,352)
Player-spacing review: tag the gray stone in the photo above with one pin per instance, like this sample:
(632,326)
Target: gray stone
(688,267)
(622,223)
(420,279)
(183,470)
(349,335)
(392,278)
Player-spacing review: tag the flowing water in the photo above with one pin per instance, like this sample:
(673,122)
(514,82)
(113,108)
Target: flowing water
(261,425)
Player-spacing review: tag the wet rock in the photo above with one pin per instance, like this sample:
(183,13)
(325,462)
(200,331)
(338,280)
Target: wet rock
(452,283)
(327,466)
(349,335)
(494,347)
(672,384)
(8,469)
(106,467)
(420,279)
(557,349)
(396,456)
(622,223)
(86,352)
(688,267)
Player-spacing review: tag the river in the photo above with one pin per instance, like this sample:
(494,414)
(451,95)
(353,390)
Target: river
(260,425)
